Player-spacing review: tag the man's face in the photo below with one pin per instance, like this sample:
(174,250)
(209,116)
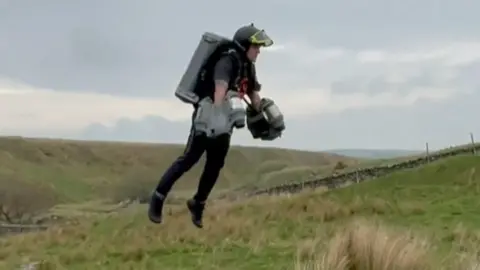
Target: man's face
(253,52)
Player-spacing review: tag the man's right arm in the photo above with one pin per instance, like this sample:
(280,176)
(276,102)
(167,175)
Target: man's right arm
(221,77)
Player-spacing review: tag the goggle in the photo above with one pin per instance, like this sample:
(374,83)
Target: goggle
(261,38)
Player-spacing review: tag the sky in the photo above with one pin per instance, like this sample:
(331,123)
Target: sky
(346,74)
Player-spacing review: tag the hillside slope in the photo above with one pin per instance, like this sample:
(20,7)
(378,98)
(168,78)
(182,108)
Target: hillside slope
(367,170)
(426,218)
(78,171)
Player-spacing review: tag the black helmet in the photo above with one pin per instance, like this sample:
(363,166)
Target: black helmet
(250,35)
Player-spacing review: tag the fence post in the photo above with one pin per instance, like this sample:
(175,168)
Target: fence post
(356,176)
(473,144)
(427,152)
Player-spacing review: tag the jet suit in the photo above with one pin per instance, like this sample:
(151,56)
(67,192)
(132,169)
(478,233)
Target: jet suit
(231,67)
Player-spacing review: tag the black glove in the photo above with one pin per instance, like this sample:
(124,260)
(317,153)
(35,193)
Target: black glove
(271,135)
(257,124)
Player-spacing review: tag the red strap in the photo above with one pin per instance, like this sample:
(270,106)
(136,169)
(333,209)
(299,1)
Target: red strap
(242,88)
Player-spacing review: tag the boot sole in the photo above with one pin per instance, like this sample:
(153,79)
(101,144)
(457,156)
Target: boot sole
(157,219)
(192,214)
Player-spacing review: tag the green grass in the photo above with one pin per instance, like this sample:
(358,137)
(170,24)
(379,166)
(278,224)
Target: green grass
(80,170)
(70,172)
(446,190)
(438,203)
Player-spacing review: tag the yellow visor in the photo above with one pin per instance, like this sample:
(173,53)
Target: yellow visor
(261,38)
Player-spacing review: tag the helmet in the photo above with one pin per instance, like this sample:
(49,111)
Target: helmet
(250,35)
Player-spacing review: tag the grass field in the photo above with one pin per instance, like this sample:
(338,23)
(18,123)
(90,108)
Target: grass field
(427,218)
(65,172)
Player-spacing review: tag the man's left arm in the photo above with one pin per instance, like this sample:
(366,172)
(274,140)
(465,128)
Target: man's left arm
(253,94)
(255,98)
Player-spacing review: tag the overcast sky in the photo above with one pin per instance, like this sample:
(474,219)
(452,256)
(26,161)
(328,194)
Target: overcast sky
(347,74)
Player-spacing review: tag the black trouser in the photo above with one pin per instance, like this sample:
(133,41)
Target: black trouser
(216,148)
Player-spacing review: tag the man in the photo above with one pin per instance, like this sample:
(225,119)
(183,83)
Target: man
(247,41)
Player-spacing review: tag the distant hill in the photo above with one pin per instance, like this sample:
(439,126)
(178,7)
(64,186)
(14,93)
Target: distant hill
(374,153)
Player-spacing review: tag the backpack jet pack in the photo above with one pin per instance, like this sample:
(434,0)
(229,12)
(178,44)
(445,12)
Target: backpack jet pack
(209,43)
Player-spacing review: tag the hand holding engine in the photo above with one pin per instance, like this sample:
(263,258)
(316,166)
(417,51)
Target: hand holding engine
(268,124)
(237,109)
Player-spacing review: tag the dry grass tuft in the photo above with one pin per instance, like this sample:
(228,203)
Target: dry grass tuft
(365,246)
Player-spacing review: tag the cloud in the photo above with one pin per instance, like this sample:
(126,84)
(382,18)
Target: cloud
(441,123)
(127,48)
(109,68)
(339,82)
(439,70)
(23,107)
(450,54)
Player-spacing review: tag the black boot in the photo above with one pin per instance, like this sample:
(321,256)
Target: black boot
(196,209)
(156,207)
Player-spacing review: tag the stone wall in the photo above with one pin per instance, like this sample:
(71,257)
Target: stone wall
(7,229)
(360,175)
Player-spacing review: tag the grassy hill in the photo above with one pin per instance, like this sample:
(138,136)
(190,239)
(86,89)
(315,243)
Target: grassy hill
(427,218)
(62,171)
